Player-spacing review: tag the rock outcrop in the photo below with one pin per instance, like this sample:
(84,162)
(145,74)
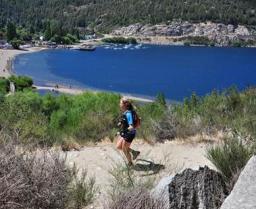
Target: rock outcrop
(220,33)
(194,189)
(161,191)
(243,195)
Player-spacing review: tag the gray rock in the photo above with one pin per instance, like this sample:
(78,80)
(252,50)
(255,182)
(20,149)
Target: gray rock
(231,28)
(243,195)
(161,191)
(242,30)
(219,33)
(194,189)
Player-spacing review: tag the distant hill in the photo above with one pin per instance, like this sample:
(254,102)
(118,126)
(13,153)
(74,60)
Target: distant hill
(107,14)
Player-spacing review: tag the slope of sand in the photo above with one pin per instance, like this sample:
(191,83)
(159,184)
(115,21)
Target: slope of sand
(174,156)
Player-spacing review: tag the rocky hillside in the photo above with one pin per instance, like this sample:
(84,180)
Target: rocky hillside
(218,33)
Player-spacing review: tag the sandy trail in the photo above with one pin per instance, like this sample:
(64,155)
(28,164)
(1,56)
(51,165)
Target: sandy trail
(174,156)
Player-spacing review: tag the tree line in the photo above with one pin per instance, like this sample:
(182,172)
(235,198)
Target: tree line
(103,15)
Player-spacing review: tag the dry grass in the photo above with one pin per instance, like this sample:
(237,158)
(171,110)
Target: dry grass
(41,179)
(131,190)
(137,198)
(32,181)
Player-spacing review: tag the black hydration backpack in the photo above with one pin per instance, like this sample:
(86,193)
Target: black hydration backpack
(136,120)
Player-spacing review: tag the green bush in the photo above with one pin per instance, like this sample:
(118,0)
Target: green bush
(4,85)
(21,82)
(49,119)
(82,190)
(231,156)
(243,43)
(229,109)
(149,113)
(21,117)
(72,38)
(2,97)
(16,43)
(93,116)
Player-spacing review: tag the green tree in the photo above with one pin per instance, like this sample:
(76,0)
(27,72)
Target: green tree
(21,82)
(11,31)
(160,98)
(48,32)
(16,43)
(4,85)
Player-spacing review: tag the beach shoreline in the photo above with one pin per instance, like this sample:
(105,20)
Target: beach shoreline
(8,55)
(76,91)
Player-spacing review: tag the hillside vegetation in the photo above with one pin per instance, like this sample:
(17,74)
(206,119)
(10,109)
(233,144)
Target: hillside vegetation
(27,118)
(49,120)
(69,15)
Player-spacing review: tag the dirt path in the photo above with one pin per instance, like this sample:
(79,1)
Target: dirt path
(166,159)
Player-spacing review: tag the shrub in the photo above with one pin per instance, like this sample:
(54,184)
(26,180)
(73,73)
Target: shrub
(138,198)
(49,120)
(21,82)
(231,156)
(149,113)
(32,181)
(171,126)
(86,117)
(41,180)
(82,191)
(93,116)
(120,40)
(94,127)
(21,117)
(129,191)
(16,43)
(4,85)
(72,38)
(197,40)
(2,97)
(124,179)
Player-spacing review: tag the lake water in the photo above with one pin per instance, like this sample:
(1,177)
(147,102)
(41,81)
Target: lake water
(143,70)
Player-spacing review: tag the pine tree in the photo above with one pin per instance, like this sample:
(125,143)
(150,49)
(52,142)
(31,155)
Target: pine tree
(11,31)
(48,32)
(160,98)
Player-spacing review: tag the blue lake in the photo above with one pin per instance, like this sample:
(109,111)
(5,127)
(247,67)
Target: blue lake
(143,70)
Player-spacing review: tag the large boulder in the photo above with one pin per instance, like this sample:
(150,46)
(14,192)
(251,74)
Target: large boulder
(243,195)
(194,189)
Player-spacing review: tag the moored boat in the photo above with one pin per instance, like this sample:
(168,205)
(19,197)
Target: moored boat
(84,48)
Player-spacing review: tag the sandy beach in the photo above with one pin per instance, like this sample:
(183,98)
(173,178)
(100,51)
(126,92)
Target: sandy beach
(75,91)
(7,55)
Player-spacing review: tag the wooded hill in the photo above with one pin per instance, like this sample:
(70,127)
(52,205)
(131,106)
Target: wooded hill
(106,14)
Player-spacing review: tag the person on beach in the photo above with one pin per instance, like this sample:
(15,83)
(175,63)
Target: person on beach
(127,130)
